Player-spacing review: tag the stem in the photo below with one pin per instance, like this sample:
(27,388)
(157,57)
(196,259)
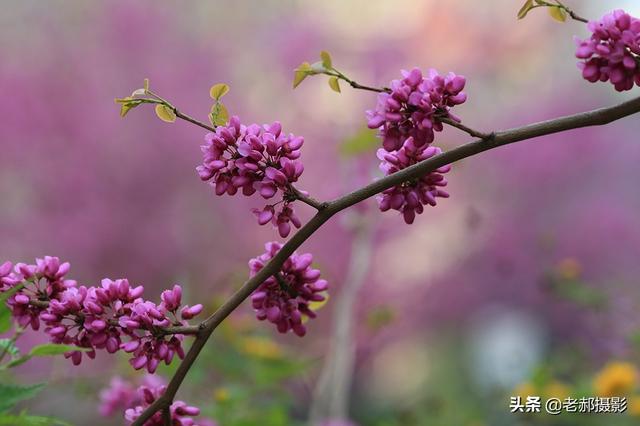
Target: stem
(585,119)
(469,130)
(335,73)
(296,194)
(571,13)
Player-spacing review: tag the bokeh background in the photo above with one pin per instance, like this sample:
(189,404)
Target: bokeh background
(526,276)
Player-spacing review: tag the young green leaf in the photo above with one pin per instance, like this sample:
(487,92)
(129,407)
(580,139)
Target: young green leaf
(301,73)
(51,349)
(145,84)
(334,84)
(558,13)
(127,104)
(12,394)
(165,113)
(219,115)
(528,5)
(24,419)
(218,90)
(326,59)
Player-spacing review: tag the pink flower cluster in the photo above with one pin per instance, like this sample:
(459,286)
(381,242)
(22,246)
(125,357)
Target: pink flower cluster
(254,158)
(410,198)
(122,395)
(414,107)
(284,298)
(96,317)
(612,52)
(407,116)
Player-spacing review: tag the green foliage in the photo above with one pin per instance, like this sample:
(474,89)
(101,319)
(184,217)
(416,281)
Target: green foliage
(364,141)
(5,312)
(165,113)
(218,90)
(219,115)
(558,13)
(10,394)
(24,419)
(46,349)
(7,346)
(334,84)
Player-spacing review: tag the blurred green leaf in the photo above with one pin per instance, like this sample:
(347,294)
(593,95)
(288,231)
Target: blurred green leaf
(301,73)
(9,347)
(219,90)
(5,312)
(363,141)
(558,13)
(10,394)
(528,5)
(51,349)
(334,84)
(24,419)
(326,59)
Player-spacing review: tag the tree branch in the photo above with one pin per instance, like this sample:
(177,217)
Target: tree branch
(585,119)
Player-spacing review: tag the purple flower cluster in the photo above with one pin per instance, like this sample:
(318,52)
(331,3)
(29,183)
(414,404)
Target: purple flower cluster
(409,198)
(122,395)
(612,52)
(96,317)
(414,107)
(284,298)
(254,158)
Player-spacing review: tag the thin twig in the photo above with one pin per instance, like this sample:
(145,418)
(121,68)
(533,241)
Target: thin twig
(585,119)
(166,416)
(296,194)
(469,130)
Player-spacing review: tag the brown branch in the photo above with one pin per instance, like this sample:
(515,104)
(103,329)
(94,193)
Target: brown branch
(585,119)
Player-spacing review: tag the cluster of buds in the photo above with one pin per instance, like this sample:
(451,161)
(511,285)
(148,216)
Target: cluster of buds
(285,297)
(407,116)
(253,159)
(123,395)
(96,317)
(409,198)
(612,52)
(415,106)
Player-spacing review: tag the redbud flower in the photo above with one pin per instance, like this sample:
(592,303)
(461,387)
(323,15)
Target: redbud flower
(254,158)
(409,198)
(414,107)
(96,317)
(612,52)
(180,412)
(284,298)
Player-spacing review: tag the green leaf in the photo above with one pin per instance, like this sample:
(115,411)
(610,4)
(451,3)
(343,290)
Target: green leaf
(301,73)
(326,59)
(24,419)
(5,312)
(16,362)
(8,346)
(127,104)
(13,290)
(558,13)
(334,84)
(219,115)
(10,394)
(218,90)
(528,5)
(364,141)
(165,113)
(5,318)
(51,349)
